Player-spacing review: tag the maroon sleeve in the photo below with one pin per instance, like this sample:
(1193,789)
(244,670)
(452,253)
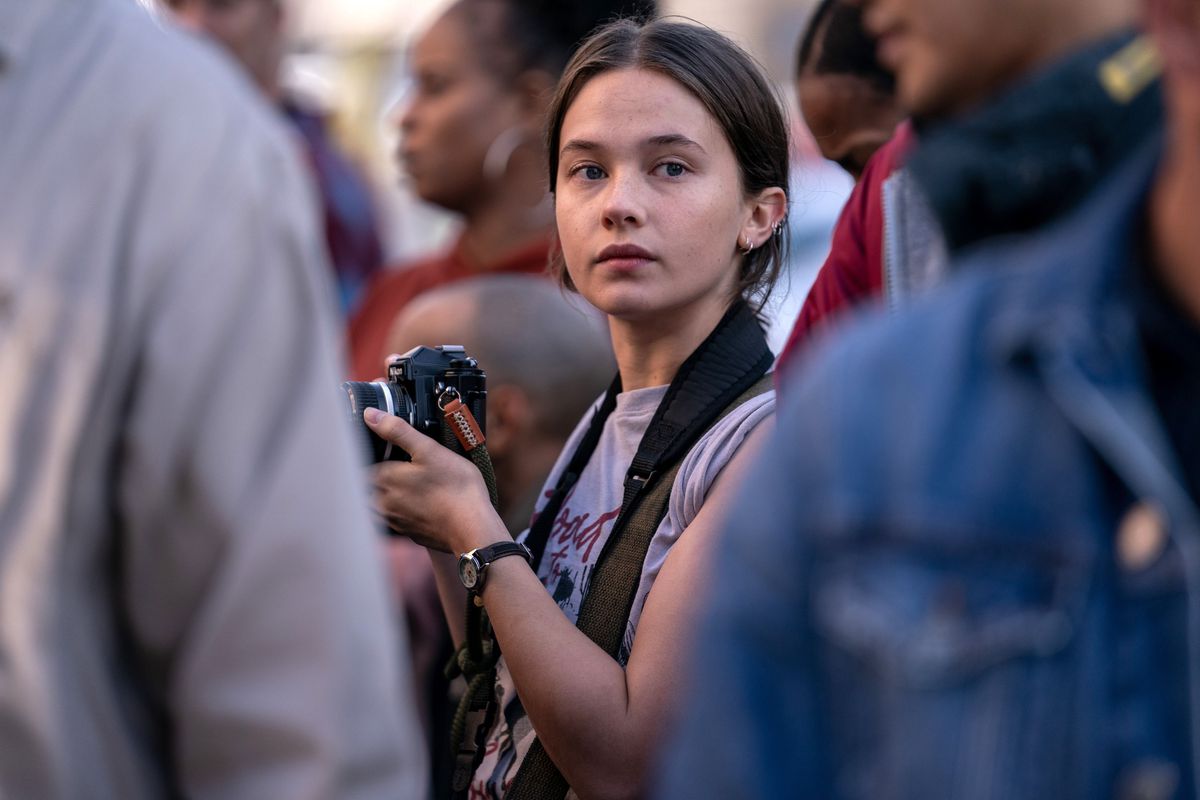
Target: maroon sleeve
(853,271)
(384,297)
(844,279)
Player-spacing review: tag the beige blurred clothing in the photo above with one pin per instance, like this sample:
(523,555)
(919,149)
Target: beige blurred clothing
(191,599)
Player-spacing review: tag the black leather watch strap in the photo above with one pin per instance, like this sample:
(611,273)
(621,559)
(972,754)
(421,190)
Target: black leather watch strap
(483,557)
(488,554)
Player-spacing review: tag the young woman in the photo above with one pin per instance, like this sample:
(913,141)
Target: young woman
(668,160)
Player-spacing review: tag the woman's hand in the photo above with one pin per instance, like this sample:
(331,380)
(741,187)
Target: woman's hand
(438,499)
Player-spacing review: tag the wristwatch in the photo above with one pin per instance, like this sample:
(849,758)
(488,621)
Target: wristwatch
(472,566)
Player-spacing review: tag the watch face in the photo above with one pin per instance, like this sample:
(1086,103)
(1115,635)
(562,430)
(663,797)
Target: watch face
(468,571)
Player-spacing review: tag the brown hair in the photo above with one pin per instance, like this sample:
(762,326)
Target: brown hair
(730,85)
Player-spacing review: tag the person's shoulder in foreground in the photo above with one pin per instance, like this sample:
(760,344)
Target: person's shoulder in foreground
(882,557)
(192,599)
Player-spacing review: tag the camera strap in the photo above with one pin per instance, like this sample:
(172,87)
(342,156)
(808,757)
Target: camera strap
(726,370)
(733,357)
(476,659)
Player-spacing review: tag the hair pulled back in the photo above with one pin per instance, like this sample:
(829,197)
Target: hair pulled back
(835,43)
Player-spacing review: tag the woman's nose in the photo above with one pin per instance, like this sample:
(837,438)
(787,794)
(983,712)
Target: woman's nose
(623,204)
(400,114)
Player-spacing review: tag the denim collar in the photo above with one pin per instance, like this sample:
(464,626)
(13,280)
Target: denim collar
(1073,314)
(1072,290)
(1036,150)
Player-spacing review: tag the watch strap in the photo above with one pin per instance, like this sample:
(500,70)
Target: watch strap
(487,555)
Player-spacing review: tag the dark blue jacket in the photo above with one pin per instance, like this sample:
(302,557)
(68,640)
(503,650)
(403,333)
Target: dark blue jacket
(922,593)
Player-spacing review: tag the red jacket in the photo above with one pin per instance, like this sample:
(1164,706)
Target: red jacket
(853,271)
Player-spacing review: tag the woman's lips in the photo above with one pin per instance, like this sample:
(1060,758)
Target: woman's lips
(624,257)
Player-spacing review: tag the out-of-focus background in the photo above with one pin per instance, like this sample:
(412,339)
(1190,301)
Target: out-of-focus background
(348,58)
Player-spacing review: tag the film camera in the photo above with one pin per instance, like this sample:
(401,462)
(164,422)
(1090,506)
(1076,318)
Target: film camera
(420,388)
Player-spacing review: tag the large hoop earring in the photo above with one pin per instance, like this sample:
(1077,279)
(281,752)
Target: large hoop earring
(500,152)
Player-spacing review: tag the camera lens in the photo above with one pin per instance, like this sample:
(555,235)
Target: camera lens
(388,398)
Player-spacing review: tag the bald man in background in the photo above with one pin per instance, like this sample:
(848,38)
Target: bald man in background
(548,357)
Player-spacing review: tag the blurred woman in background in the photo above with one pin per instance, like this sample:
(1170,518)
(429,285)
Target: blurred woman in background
(471,143)
(847,99)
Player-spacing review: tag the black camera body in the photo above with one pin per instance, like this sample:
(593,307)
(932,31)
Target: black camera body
(419,385)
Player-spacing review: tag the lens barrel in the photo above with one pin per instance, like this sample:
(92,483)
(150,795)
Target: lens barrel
(388,398)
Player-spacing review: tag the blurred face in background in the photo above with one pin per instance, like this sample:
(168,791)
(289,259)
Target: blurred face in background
(949,55)
(848,117)
(251,30)
(459,109)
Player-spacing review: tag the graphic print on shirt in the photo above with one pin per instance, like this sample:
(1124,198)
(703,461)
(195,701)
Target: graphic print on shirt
(516,727)
(575,543)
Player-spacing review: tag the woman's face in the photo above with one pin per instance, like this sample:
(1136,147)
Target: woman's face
(456,112)
(649,199)
(848,118)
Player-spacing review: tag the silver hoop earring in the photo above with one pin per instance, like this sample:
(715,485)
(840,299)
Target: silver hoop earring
(500,152)
(777,228)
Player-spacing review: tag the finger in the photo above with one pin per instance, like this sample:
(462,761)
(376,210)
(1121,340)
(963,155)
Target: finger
(395,430)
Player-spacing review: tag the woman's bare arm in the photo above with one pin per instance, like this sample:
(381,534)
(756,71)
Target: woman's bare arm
(598,722)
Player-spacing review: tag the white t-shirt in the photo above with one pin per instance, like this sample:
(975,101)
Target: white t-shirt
(583,525)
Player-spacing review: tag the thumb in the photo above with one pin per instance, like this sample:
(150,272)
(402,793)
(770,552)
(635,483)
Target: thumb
(395,430)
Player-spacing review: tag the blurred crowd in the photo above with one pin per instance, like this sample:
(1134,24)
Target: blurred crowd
(832,435)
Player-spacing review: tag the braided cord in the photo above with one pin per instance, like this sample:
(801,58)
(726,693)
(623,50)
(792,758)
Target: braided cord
(477,657)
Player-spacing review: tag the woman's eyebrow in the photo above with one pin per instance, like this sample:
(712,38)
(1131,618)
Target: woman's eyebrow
(661,140)
(581,145)
(675,140)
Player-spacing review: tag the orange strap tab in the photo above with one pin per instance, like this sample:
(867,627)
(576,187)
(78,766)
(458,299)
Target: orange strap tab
(462,422)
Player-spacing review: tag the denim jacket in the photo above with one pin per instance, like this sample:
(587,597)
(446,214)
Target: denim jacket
(944,579)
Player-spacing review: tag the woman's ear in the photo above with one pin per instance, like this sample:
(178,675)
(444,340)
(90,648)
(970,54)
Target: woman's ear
(766,210)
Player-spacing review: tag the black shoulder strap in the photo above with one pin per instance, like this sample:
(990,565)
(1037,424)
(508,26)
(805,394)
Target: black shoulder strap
(690,409)
(728,362)
(539,531)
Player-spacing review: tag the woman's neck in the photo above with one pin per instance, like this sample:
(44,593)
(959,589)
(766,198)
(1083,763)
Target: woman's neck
(498,228)
(1175,239)
(513,212)
(649,350)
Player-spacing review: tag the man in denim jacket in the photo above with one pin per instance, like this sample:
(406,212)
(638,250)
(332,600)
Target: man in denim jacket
(992,590)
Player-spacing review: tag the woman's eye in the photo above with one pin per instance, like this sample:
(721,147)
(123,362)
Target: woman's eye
(432,86)
(672,169)
(588,172)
